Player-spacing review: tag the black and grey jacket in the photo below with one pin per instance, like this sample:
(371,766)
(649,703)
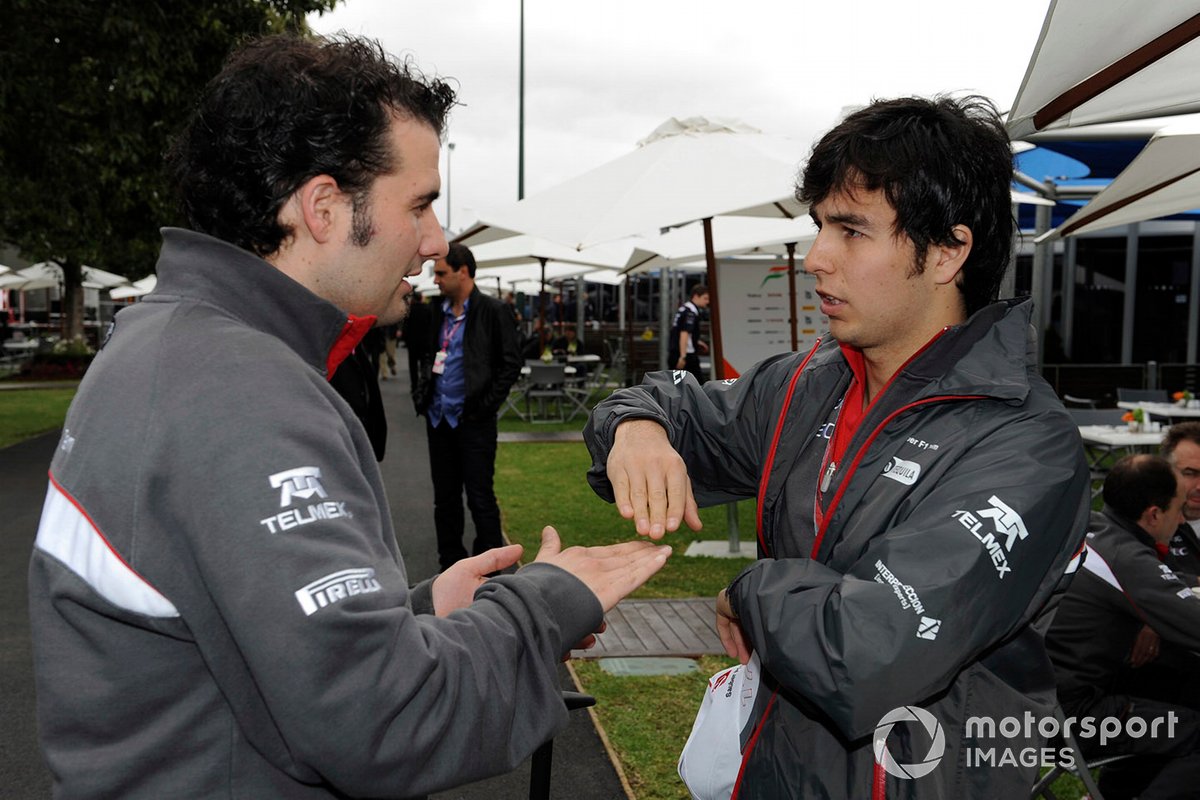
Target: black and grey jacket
(219,608)
(959,506)
(1123,585)
(491,355)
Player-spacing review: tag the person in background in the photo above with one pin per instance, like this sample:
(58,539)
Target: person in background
(921,491)
(415,332)
(222,610)
(684,344)
(1181,447)
(474,363)
(1123,586)
(387,359)
(510,300)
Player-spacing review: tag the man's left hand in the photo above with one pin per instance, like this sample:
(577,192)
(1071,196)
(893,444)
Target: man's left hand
(455,588)
(730,630)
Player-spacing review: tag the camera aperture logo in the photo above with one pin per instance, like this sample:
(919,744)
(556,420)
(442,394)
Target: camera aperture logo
(931,725)
(1013,741)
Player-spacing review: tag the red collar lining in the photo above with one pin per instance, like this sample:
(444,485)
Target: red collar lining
(352,333)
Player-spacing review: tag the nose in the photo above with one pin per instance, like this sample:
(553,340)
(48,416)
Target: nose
(433,238)
(817,258)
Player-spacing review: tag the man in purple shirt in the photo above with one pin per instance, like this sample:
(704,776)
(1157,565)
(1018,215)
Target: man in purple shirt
(473,360)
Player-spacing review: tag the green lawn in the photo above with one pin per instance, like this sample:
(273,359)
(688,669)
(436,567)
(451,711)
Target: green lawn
(541,484)
(28,412)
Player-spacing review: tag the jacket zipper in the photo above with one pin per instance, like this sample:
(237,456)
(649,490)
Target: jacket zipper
(862,451)
(762,484)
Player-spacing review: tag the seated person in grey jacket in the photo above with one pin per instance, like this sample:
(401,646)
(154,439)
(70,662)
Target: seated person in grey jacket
(1123,587)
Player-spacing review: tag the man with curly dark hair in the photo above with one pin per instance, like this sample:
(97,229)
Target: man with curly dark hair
(219,605)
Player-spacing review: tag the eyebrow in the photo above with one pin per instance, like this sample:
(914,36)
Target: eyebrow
(428,198)
(848,218)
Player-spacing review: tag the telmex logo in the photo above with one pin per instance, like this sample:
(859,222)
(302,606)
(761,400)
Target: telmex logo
(302,482)
(1006,522)
(936,748)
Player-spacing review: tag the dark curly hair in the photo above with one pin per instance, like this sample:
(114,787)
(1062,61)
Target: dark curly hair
(287,108)
(940,162)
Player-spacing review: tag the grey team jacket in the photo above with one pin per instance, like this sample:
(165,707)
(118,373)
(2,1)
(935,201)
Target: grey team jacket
(1123,585)
(218,604)
(954,515)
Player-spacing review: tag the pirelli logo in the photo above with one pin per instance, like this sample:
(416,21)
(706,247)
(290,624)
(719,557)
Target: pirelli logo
(335,587)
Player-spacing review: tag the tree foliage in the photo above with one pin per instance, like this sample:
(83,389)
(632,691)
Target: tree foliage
(91,92)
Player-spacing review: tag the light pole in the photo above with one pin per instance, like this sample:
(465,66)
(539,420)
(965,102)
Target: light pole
(449,181)
(521,113)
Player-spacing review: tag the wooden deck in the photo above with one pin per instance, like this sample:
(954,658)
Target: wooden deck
(658,628)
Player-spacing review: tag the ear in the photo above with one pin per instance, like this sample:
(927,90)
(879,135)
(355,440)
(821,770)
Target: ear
(947,259)
(320,207)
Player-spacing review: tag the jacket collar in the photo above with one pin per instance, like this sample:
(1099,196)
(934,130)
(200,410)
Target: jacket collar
(198,267)
(1130,527)
(987,355)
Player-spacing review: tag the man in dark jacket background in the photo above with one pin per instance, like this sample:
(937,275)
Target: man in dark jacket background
(921,491)
(471,363)
(1123,586)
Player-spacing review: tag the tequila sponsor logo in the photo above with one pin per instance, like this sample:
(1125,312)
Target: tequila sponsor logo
(902,471)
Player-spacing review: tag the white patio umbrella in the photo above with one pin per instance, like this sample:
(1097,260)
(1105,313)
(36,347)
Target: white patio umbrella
(553,261)
(48,274)
(686,170)
(1106,60)
(731,236)
(139,288)
(1164,179)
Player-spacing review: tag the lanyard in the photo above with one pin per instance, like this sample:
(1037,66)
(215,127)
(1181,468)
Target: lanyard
(453,330)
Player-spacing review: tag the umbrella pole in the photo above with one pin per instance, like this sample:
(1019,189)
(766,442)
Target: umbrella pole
(791,250)
(542,309)
(710,259)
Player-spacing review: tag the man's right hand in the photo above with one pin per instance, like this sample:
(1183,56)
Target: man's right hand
(649,479)
(610,571)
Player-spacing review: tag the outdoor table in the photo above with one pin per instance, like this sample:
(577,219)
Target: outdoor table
(1102,441)
(1171,411)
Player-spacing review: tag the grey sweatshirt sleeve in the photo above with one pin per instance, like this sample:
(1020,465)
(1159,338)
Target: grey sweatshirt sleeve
(303,613)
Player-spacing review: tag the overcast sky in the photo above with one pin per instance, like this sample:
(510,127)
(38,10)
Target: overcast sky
(599,76)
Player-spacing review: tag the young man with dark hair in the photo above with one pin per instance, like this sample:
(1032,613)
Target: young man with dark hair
(1123,587)
(472,359)
(920,489)
(684,345)
(221,610)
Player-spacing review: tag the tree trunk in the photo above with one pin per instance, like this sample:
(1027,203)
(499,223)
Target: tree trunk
(72,299)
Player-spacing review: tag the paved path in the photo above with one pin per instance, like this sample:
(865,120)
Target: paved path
(582,770)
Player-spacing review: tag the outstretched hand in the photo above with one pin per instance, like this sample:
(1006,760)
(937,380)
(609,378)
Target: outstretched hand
(610,571)
(455,588)
(649,479)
